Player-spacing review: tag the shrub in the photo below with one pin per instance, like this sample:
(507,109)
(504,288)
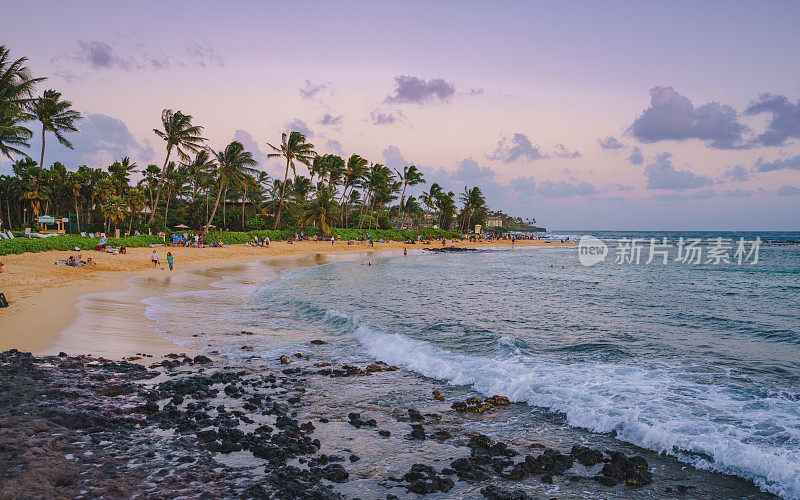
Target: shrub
(69,242)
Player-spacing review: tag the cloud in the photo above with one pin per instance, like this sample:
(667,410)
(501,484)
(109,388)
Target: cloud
(509,150)
(101,140)
(202,56)
(311,89)
(672,117)
(476,91)
(617,187)
(411,89)
(784,122)
(100,55)
(523,185)
(735,173)
(792,163)
(379,118)
(699,195)
(661,174)
(787,190)
(250,144)
(393,158)
(334,147)
(468,171)
(562,152)
(553,189)
(299,126)
(636,157)
(330,119)
(738,193)
(610,143)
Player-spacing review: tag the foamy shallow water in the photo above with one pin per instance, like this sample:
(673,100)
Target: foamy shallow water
(698,363)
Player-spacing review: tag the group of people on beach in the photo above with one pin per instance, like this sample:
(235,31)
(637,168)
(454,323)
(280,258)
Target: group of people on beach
(76,261)
(187,240)
(258,242)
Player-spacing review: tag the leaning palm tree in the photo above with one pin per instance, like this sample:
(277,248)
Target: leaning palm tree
(181,135)
(410,176)
(56,116)
(233,165)
(16,93)
(294,148)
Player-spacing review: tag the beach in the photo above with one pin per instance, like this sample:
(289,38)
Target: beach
(43,296)
(314,370)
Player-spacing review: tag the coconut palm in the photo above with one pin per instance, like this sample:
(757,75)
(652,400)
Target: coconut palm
(202,163)
(354,170)
(295,149)
(56,116)
(16,92)
(320,212)
(136,201)
(120,172)
(410,176)
(180,135)
(114,210)
(233,165)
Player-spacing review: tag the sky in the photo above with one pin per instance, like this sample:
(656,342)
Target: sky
(580,115)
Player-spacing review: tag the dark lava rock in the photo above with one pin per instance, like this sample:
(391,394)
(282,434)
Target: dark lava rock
(415,415)
(318,342)
(493,492)
(550,462)
(469,471)
(417,432)
(354,458)
(356,421)
(586,455)
(423,479)
(201,360)
(384,433)
(335,473)
(633,470)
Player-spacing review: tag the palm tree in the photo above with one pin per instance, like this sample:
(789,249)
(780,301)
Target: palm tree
(136,201)
(356,166)
(410,176)
(202,162)
(16,92)
(320,212)
(120,173)
(181,135)
(294,148)
(113,209)
(56,116)
(233,165)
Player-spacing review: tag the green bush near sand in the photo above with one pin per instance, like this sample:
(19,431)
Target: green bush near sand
(232,237)
(69,242)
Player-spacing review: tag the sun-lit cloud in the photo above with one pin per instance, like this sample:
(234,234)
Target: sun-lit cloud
(518,146)
(784,122)
(414,90)
(661,174)
(610,143)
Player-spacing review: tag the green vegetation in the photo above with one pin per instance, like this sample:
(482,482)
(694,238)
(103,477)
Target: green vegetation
(69,242)
(207,189)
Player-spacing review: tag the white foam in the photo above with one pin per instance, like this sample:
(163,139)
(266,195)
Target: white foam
(659,407)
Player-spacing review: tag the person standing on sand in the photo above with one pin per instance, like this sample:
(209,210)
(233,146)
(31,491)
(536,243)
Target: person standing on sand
(169,260)
(154,258)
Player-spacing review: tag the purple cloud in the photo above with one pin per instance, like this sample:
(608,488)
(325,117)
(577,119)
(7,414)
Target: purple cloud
(334,147)
(735,173)
(636,157)
(393,158)
(784,123)
(509,150)
(411,89)
(672,117)
(100,55)
(299,126)
(330,119)
(311,89)
(203,56)
(610,143)
(250,144)
(562,152)
(699,195)
(379,118)
(661,174)
(470,172)
(738,193)
(792,163)
(787,190)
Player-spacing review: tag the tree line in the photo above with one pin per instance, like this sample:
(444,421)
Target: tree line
(202,187)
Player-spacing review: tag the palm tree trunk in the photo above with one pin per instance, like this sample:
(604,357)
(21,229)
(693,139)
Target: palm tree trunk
(402,204)
(41,158)
(166,211)
(283,191)
(366,200)
(214,212)
(160,183)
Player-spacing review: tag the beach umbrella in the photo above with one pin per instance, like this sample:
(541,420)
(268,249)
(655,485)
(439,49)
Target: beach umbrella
(182,226)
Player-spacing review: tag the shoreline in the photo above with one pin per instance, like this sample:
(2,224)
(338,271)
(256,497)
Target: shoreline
(45,298)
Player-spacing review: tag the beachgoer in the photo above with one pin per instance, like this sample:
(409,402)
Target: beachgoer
(101,245)
(405,251)
(154,258)
(266,240)
(90,262)
(1,268)
(123,249)
(169,260)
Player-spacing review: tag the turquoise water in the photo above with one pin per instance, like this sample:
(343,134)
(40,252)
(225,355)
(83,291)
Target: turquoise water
(699,361)
(702,362)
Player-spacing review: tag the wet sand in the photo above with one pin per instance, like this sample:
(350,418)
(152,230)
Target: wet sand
(45,299)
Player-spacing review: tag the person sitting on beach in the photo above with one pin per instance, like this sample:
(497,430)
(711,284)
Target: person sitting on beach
(169,260)
(101,245)
(154,258)
(90,262)
(123,249)
(72,262)
(1,268)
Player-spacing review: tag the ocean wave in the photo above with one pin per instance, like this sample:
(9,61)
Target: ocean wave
(658,407)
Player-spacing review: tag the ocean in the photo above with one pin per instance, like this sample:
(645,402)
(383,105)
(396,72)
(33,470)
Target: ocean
(700,361)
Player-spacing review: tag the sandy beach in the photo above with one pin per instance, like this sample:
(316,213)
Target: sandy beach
(43,296)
